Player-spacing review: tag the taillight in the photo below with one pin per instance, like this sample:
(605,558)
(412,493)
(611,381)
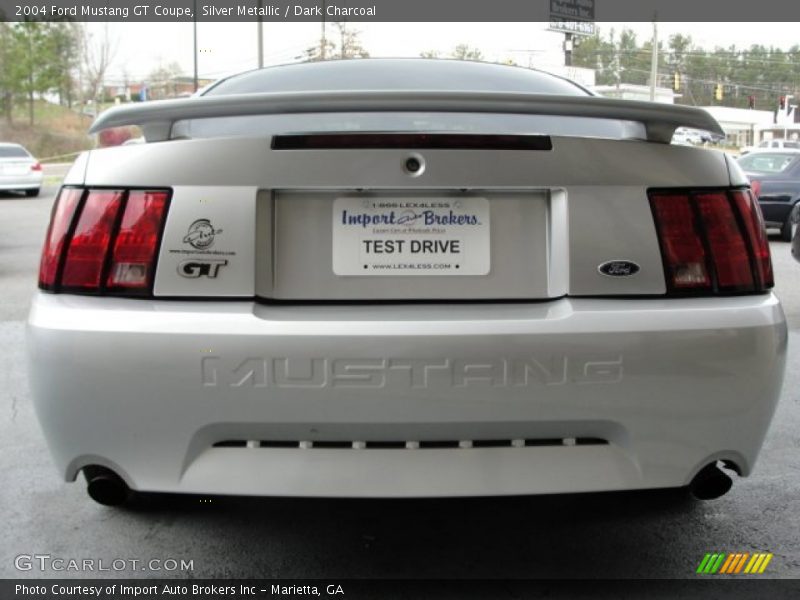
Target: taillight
(88,247)
(712,241)
(36,166)
(60,220)
(755,185)
(103,241)
(729,253)
(134,253)
(756,234)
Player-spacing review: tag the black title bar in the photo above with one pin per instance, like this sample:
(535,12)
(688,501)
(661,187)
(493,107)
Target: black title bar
(399,10)
(373,589)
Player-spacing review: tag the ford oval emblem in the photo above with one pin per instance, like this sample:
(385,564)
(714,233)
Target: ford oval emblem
(619,268)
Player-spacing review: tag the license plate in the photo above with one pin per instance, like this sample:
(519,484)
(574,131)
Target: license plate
(411,236)
(12,170)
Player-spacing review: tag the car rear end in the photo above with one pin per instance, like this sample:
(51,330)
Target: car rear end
(775,180)
(19,171)
(404,313)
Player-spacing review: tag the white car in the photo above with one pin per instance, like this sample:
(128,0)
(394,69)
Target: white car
(19,170)
(404,278)
(772,145)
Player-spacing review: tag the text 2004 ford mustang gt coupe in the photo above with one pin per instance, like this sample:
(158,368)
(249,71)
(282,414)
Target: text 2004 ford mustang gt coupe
(397,278)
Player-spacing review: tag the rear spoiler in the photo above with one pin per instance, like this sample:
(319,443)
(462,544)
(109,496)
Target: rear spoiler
(157,118)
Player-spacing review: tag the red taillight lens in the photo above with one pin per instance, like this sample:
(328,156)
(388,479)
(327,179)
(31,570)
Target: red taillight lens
(105,243)
(755,185)
(757,235)
(90,241)
(60,221)
(36,167)
(729,253)
(712,241)
(135,247)
(684,255)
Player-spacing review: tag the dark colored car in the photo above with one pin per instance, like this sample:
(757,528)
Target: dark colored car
(775,177)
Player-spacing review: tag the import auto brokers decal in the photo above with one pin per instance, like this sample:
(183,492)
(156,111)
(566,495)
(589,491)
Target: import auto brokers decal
(411,236)
(200,236)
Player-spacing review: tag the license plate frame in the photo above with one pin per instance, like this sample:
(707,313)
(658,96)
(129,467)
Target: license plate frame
(411,236)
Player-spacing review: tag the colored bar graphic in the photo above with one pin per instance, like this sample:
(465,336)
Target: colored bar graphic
(717,564)
(765,563)
(704,563)
(734,563)
(741,562)
(731,560)
(753,562)
(711,562)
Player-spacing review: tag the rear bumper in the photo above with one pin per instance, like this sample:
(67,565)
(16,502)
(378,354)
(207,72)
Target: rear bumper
(776,213)
(148,388)
(21,182)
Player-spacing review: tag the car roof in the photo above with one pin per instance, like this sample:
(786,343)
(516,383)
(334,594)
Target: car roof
(785,151)
(395,74)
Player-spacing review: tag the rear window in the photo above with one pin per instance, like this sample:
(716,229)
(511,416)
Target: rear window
(13,152)
(395,74)
(766,162)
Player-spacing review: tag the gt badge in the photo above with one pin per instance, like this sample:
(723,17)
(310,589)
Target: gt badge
(193,269)
(619,268)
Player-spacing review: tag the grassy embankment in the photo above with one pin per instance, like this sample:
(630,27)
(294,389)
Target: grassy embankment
(56,133)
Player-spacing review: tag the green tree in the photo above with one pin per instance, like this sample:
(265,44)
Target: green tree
(64,40)
(8,83)
(34,69)
(596,53)
(763,73)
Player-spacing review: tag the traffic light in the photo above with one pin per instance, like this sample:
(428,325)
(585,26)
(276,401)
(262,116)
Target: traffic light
(676,81)
(718,91)
(751,102)
(782,102)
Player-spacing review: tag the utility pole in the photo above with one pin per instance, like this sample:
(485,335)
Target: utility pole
(195,46)
(616,67)
(260,36)
(323,42)
(568,44)
(654,62)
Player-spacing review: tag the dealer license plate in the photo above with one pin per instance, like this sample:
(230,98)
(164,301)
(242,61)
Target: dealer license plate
(411,236)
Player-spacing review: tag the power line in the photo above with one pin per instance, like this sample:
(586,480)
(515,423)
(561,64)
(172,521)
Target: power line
(733,84)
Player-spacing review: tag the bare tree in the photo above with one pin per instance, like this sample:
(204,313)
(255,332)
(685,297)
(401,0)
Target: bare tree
(460,52)
(98,54)
(466,52)
(162,81)
(349,46)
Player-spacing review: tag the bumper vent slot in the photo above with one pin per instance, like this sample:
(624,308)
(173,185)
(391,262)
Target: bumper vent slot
(406,445)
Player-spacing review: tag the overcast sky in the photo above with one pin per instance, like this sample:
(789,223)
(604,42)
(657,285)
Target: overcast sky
(230,47)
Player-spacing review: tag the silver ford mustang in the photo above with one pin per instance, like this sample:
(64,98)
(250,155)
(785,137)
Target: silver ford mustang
(404,278)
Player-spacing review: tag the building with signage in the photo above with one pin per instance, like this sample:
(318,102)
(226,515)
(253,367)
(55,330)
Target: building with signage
(630,91)
(743,126)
